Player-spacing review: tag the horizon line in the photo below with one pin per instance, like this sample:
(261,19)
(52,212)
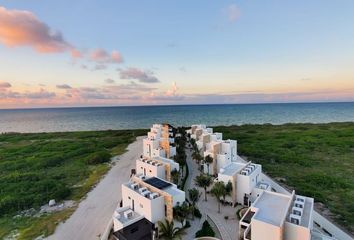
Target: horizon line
(166,105)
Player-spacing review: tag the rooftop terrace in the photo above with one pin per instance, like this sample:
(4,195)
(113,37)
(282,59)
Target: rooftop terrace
(272,207)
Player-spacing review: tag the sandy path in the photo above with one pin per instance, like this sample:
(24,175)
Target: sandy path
(94,213)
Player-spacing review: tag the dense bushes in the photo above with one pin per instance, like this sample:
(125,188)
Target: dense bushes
(99,157)
(35,168)
(206,231)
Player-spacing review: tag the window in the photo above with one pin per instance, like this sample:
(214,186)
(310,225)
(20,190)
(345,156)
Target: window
(141,205)
(129,198)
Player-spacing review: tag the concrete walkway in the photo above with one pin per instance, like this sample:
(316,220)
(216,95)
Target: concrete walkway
(94,213)
(228,228)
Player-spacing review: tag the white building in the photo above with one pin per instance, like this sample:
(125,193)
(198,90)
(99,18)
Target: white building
(156,167)
(275,216)
(159,142)
(152,197)
(128,224)
(209,143)
(246,181)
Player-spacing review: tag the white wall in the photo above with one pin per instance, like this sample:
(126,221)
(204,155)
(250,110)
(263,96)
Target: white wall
(245,184)
(296,232)
(150,170)
(264,231)
(151,209)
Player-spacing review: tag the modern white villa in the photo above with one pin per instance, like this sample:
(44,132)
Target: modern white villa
(145,202)
(159,142)
(246,181)
(223,152)
(156,167)
(152,197)
(275,216)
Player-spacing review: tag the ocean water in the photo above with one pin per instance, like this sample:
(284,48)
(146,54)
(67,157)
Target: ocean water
(103,118)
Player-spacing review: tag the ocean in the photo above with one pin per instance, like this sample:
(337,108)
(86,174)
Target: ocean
(103,118)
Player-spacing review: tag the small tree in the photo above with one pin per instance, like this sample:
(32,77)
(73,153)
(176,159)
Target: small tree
(208,160)
(175,176)
(169,231)
(218,191)
(228,190)
(180,212)
(203,181)
(193,197)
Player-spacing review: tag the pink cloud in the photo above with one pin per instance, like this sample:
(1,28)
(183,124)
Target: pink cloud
(138,74)
(63,86)
(102,56)
(76,53)
(233,12)
(5,85)
(22,28)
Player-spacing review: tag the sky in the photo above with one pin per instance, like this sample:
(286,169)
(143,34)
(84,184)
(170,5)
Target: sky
(158,52)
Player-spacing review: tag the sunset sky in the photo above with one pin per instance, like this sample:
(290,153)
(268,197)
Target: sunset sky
(97,53)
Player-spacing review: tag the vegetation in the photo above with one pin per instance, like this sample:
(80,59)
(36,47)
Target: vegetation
(203,181)
(193,197)
(35,168)
(208,160)
(180,212)
(218,191)
(316,160)
(206,231)
(169,231)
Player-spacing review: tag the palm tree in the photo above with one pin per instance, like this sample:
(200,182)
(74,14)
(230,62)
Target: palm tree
(218,191)
(193,197)
(203,181)
(228,190)
(174,176)
(169,231)
(208,159)
(180,212)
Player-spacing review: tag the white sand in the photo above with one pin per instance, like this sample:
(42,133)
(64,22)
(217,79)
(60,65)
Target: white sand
(94,213)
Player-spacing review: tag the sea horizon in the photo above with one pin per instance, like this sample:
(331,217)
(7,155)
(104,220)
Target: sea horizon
(161,105)
(65,119)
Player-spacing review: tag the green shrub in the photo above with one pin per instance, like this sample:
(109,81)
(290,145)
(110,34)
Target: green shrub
(206,231)
(197,213)
(99,157)
(187,225)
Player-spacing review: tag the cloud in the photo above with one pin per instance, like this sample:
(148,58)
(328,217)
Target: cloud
(233,12)
(5,85)
(173,90)
(40,94)
(76,53)
(22,28)
(109,81)
(63,86)
(102,56)
(138,74)
(99,67)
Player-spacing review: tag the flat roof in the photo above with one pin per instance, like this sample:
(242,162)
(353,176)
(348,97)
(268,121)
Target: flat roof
(233,168)
(134,217)
(140,230)
(272,207)
(158,183)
